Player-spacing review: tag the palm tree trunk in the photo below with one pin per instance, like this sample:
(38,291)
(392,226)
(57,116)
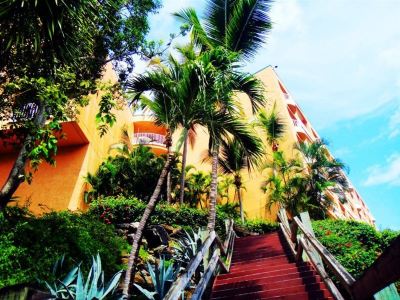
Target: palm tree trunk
(184,155)
(142,224)
(169,183)
(17,173)
(213,190)
(238,185)
(241,204)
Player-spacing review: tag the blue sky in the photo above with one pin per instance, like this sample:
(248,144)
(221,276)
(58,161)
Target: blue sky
(341,62)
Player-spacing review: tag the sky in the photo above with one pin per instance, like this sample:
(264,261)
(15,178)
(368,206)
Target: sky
(340,61)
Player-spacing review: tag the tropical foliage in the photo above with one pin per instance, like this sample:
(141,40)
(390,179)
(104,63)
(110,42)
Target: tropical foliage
(304,186)
(29,246)
(73,285)
(52,54)
(131,173)
(285,184)
(356,245)
(236,32)
(323,174)
(272,125)
(162,277)
(233,159)
(126,210)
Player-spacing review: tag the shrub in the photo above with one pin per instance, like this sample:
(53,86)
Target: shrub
(259,226)
(123,210)
(29,246)
(131,173)
(126,210)
(355,245)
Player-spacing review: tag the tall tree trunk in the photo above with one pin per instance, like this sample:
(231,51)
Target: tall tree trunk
(17,173)
(213,190)
(184,155)
(240,204)
(169,183)
(142,224)
(238,186)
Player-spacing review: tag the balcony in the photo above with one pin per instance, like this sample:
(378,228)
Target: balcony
(302,131)
(148,138)
(289,99)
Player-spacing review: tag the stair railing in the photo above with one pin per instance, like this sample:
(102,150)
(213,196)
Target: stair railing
(311,246)
(219,249)
(382,273)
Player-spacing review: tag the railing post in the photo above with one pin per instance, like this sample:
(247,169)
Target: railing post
(293,232)
(306,221)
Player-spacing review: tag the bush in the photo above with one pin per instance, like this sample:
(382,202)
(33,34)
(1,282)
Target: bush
(123,210)
(29,246)
(259,226)
(355,245)
(131,173)
(126,210)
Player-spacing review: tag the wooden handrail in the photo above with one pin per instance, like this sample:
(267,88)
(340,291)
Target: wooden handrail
(225,248)
(310,244)
(382,273)
(179,285)
(325,277)
(345,277)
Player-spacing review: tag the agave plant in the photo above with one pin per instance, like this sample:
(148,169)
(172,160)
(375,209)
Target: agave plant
(73,285)
(162,276)
(187,246)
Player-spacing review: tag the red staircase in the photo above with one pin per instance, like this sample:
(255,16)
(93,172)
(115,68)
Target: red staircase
(263,268)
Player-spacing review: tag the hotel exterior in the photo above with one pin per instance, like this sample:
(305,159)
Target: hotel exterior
(63,186)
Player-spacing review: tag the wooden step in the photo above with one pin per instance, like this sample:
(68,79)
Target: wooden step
(315,289)
(263,260)
(285,266)
(264,268)
(272,276)
(271,282)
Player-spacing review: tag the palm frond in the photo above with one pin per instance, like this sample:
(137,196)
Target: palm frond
(199,35)
(272,124)
(248,26)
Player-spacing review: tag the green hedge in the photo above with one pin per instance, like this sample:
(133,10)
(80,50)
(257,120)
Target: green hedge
(125,210)
(259,226)
(122,210)
(29,246)
(356,245)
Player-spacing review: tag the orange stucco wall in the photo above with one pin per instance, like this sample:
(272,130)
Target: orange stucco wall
(62,187)
(51,187)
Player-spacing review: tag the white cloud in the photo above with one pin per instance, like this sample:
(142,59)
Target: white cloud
(394,124)
(385,174)
(334,57)
(287,16)
(391,56)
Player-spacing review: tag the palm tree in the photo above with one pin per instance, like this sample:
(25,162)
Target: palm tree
(198,186)
(322,173)
(273,126)
(286,184)
(162,105)
(225,125)
(230,26)
(234,158)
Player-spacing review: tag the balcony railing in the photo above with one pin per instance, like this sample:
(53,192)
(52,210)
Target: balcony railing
(303,129)
(147,138)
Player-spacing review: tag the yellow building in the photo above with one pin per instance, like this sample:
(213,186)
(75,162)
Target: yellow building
(83,150)
(298,129)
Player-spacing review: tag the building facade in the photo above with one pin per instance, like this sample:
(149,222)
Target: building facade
(83,150)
